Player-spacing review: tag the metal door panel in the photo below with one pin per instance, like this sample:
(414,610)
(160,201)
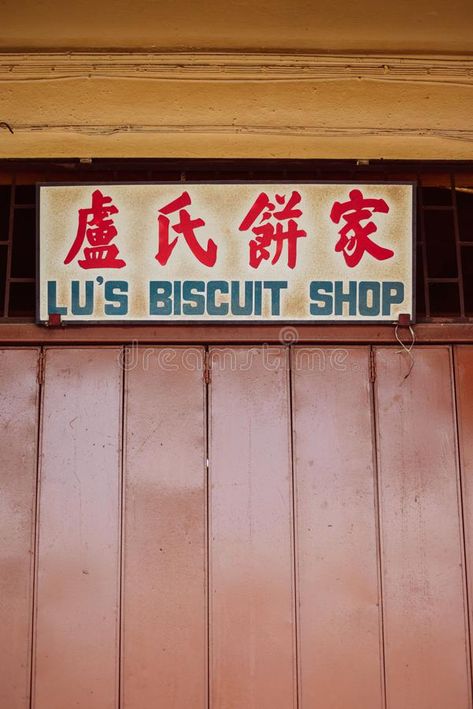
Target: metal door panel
(76,655)
(163,546)
(424,623)
(464,395)
(164,584)
(336,531)
(18,443)
(250,518)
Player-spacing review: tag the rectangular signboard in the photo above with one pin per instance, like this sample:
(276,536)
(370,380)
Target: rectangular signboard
(184,252)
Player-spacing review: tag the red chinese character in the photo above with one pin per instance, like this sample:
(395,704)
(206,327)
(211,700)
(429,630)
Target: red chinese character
(273,225)
(185,226)
(96,226)
(354,237)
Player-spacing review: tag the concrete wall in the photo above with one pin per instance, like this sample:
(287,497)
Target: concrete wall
(237,80)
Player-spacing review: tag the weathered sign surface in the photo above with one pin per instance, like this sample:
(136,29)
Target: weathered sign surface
(226,252)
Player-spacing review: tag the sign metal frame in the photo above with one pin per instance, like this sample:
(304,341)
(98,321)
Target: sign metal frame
(153,321)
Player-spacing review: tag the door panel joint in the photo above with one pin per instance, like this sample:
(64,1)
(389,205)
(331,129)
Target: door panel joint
(41,367)
(207,368)
(372,365)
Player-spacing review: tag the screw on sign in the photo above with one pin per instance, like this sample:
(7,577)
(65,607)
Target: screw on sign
(98,229)
(273,224)
(186,226)
(354,238)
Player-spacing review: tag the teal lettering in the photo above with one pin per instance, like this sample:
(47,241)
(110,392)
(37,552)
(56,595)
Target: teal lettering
(341,297)
(212,288)
(393,293)
(116,297)
(365,288)
(76,307)
(160,302)
(275,287)
(320,295)
(192,293)
(237,308)
(53,308)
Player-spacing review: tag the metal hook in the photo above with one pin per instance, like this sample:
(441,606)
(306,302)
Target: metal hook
(406,348)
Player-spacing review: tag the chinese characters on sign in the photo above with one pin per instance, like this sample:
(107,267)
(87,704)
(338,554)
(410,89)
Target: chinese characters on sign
(230,252)
(354,236)
(186,226)
(95,225)
(273,227)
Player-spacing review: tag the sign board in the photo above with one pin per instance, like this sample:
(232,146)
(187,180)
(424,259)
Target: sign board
(183,252)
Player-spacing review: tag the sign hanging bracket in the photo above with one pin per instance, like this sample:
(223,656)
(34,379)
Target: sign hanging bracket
(54,320)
